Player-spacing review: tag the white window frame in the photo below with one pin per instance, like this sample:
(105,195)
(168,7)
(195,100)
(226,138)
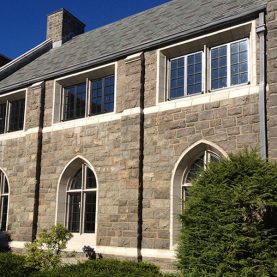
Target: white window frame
(60,83)
(7,99)
(2,195)
(185,75)
(229,65)
(207,160)
(82,192)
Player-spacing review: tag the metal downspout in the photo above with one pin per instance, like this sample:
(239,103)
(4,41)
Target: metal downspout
(262,87)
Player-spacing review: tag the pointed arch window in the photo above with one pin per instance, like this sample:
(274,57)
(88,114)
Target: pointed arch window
(199,163)
(4,199)
(81,201)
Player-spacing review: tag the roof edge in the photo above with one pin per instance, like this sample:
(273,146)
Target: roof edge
(25,58)
(142,47)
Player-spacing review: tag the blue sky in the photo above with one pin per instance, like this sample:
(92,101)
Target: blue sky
(23,23)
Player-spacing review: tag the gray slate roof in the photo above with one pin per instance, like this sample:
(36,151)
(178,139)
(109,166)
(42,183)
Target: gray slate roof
(176,19)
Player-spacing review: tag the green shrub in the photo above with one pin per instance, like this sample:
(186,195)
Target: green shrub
(104,268)
(44,253)
(229,227)
(12,265)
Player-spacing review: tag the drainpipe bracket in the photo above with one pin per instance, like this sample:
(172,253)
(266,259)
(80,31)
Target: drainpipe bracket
(260,29)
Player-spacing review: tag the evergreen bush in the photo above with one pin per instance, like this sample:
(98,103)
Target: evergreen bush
(12,265)
(229,226)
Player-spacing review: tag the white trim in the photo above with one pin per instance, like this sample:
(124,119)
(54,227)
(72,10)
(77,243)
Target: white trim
(18,244)
(97,186)
(13,92)
(115,64)
(202,141)
(37,84)
(26,54)
(94,119)
(9,195)
(223,94)
(85,71)
(134,57)
(18,134)
(207,35)
(109,250)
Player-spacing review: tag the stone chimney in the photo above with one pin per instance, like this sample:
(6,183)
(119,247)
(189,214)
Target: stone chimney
(62,26)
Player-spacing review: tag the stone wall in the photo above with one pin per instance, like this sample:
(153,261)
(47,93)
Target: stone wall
(19,158)
(271,47)
(231,124)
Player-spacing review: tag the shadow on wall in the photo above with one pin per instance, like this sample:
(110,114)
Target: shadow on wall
(4,241)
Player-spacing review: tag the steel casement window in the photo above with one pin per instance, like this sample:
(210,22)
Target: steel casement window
(229,64)
(88,98)
(74,101)
(16,115)
(4,199)
(81,201)
(12,114)
(102,95)
(186,75)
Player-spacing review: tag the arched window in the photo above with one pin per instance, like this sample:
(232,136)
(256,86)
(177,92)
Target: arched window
(81,201)
(4,199)
(195,157)
(201,161)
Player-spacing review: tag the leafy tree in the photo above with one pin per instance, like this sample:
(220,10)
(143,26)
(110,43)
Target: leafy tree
(229,226)
(45,252)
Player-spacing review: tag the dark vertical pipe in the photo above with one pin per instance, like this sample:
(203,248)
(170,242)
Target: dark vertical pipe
(38,163)
(141,157)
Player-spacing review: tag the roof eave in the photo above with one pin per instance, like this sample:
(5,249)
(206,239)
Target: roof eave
(142,47)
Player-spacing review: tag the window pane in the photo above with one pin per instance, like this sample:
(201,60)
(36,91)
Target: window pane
(76,182)
(2,117)
(90,210)
(108,94)
(177,78)
(194,69)
(194,169)
(102,95)
(91,181)
(219,67)
(6,187)
(74,101)
(3,212)
(74,212)
(17,109)
(239,63)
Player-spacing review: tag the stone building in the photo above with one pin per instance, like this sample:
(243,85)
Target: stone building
(103,131)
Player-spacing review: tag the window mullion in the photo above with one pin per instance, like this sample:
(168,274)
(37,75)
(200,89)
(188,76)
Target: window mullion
(228,65)
(168,92)
(103,95)
(185,76)
(204,70)
(7,119)
(87,105)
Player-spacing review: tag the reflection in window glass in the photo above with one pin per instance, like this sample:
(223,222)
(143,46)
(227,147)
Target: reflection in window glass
(219,67)
(194,76)
(239,63)
(177,78)
(102,95)
(17,109)
(74,101)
